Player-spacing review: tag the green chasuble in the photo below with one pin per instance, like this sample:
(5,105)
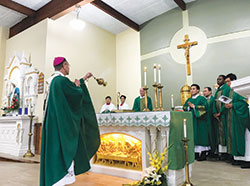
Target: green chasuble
(213,129)
(139,104)
(200,120)
(238,121)
(218,107)
(70,131)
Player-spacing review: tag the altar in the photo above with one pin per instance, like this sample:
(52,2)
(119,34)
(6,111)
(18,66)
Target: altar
(127,137)
(14,136)
(19,100)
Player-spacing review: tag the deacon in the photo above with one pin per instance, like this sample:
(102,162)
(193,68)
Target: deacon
(220,113)
(198,106)
(108,106)
(238,123)
(123,105)
(139,103)
(213,129)
(70,135)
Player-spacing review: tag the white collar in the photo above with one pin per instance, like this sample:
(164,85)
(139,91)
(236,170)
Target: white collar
(58,73)
(142,97)
(208,97)
(194,97)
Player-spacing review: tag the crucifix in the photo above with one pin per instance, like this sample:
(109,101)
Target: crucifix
(187,45)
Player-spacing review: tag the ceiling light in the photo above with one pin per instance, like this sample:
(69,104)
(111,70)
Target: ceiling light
(77,24)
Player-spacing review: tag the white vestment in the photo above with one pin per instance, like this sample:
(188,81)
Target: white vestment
(109,107)
(124,106)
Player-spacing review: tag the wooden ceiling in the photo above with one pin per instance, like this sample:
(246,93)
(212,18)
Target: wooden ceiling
(57,8)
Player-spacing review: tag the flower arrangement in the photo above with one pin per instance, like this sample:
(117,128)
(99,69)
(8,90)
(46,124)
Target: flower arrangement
(156,173)
(14,105)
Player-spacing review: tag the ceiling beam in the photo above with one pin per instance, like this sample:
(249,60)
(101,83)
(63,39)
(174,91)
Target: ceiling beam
(54,9)
(181,4)
(114,13)
(17,7)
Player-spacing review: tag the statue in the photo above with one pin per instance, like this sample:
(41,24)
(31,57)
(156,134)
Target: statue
(15,93)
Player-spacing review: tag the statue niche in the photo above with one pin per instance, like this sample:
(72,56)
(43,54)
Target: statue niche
(20,84)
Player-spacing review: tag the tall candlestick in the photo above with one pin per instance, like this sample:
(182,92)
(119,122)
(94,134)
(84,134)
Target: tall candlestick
(154,73)
(159,74)
(145,76)
(185,128)
(172,101)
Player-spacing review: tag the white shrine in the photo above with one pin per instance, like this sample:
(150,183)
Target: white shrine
(20,77)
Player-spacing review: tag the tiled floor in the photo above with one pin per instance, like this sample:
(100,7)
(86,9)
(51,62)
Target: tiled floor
(204,174)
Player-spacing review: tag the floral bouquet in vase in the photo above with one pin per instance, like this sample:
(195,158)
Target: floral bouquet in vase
(14,105)
(156,173)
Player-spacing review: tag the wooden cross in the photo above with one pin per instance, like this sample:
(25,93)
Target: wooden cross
(187,45)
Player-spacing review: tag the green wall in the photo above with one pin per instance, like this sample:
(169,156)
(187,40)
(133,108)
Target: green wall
(215,18)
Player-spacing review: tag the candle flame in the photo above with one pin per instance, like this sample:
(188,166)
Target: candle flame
(154,65)
(145,69)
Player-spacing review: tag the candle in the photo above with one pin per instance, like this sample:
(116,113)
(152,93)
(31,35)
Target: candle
(159,74)
(154,73)
(172,101)
(185,128)
(145,76)
(31,109)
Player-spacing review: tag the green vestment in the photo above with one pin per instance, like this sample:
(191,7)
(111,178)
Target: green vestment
(238,121)
(139,104)
(213,130)
(70,131)
(200,120)
(218,107)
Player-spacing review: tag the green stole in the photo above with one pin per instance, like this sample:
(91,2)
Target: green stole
(139,104)
(200,120)
(70,131)
(213,128)
(218,107)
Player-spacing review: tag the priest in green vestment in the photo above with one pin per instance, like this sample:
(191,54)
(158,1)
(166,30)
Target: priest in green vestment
(198,106)
(139,103)
(213,129)
(238,121)
(70,135)
(220,113)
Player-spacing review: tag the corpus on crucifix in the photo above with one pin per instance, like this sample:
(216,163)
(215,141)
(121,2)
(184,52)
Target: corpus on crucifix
(187,45)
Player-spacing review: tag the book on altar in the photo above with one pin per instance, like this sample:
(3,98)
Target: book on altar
(225,99)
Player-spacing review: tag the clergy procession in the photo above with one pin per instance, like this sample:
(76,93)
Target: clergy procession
(124,93)
(219,126)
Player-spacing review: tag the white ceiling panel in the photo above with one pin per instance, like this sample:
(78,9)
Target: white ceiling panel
(138,11)
(33,4)
(9,17)
(97,17)
(141,11)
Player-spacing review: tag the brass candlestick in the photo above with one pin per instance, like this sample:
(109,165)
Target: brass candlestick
(156,101)
(29,153)
(187,182)
(146,99)
(160,97)
(117,100)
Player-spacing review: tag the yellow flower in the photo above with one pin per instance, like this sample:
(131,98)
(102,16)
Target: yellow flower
(158,182)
